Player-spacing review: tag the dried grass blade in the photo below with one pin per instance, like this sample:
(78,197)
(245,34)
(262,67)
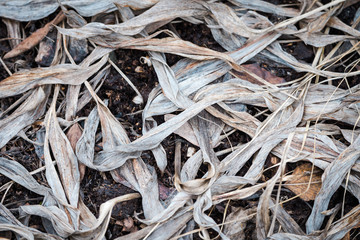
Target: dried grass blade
(141,177)
(173,45)
(28,112)
(24,10)
(312,13)
(144,179)
(18,230)
(281,236)
(156,16)
(193,75)
(341,227)
(160,231)
(65,158)
(332,178)
(8,222)
(136,4)
(60,74)
(86,143)
(160,13)
(72,98)
(286,221)
(99,229)
(202,204)
(267,7)
(16,172)
(96,84)
(51,173)
(15,104)
(176,206)
(336,23)
(237,222)
(152,138)
(322,40)
(276,49)
(74,134)
(57,216)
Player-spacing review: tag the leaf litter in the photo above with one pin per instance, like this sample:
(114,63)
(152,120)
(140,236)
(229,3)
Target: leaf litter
(307,119)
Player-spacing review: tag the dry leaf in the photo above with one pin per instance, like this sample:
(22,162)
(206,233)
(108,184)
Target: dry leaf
(300,180)
(60,74)
(332,178)
(199,81)
(28,10)
(27,113)
(13,30)
(74,135)
(259,71)
(34,38)
(136,4)
(237,220)
(184,131)
(346,237)
(65,157)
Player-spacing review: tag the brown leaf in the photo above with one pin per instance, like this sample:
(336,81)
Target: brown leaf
(347,236)
(301,177)
(34,38)
(74,135)
(259,71)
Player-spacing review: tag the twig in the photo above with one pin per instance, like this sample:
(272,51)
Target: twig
(139,99)
(5,67)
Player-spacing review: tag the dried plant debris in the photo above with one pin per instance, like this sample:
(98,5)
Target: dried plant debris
(191,130)
(301,185)
(34,38)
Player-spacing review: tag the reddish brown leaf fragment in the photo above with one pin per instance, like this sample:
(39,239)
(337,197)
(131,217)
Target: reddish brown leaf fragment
(74,135)
(259,71)
(35,38)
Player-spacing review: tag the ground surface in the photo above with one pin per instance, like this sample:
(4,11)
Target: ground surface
(98,187)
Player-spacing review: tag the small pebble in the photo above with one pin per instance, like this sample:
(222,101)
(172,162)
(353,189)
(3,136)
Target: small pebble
(190,152)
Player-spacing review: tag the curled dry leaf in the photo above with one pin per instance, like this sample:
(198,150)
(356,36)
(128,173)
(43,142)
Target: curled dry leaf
(13,30)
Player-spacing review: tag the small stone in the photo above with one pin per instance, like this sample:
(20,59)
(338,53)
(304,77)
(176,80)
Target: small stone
(139,69)
(190,152)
